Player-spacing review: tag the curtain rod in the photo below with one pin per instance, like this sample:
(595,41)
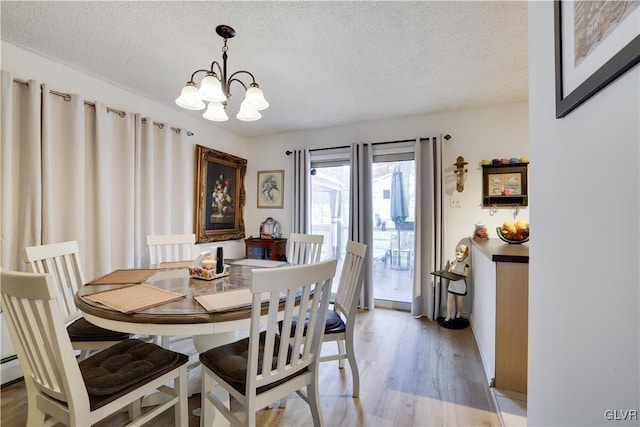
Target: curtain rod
(446,137)
(120,113)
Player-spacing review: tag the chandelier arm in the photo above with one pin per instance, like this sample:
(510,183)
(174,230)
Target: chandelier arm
(236,80)
(253,79)
(196,72)
(219,68)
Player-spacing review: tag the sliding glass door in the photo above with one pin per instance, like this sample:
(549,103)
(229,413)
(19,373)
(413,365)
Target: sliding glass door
(393,214)
(393,230)
(330,211)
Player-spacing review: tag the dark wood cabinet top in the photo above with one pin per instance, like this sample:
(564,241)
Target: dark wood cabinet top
(498,251)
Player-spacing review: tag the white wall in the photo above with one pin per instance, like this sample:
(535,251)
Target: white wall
(584,334)
(485,133)
(25,65)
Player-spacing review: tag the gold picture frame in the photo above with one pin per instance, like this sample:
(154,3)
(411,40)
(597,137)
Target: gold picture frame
(271,189)
(219,195)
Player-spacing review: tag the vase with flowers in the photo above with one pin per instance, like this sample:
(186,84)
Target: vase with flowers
(221,200)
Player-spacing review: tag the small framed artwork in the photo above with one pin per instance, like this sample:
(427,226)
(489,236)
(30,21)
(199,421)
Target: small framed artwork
(271,189)
(595,43)
(220,195)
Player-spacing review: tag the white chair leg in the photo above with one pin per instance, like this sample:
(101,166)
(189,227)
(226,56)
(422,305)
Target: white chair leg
(341,351)
(182,407)
(351,355)
(135,409)
(206,407)
(313,398)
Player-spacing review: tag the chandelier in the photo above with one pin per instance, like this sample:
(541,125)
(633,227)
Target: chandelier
(215,89)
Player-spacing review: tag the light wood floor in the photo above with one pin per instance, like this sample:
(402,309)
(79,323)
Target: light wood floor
(412,373)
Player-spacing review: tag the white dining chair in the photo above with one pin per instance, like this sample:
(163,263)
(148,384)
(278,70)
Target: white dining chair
(339,326)
(62,260)
(342,317)
(265,367)
(61,389)
(170,248)
(304,248)
(167,248)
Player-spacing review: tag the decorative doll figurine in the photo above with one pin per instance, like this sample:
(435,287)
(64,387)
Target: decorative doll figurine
(457,290)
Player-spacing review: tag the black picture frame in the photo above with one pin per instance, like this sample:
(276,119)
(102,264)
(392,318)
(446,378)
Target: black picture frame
(492,195)
(618,63)
(220,196)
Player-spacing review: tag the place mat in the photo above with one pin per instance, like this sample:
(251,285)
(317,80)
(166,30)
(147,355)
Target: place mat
(228,301)
(124,277)
(176,264)
(265,263)
(134,298)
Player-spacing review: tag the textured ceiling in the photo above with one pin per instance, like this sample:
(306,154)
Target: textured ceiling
(320,64)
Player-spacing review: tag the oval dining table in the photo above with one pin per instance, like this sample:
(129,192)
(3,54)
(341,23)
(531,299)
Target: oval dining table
(183,317)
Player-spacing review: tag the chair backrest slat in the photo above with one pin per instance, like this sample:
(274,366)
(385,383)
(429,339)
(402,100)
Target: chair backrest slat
(36,325)
(303,288)
(304,248)
(170,247)
(62,261)
(351,278)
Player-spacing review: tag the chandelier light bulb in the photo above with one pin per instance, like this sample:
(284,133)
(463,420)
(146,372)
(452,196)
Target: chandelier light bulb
(211,89)
(254,99)
(215,112)
(189,98)
(248,115)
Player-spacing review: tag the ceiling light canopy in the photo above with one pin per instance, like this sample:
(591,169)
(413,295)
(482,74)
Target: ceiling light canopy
(215,89)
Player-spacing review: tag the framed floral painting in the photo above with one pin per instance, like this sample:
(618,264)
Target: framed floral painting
(220,195)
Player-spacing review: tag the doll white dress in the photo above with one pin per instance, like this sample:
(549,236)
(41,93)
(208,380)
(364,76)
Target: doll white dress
(458,287)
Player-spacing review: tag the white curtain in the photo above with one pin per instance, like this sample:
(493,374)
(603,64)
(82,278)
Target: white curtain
(429,228)
(164,191)
(301,191)
(75,170)
(21,210)
(360,212)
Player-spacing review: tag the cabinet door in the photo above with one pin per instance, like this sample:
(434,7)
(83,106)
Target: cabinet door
(512,302)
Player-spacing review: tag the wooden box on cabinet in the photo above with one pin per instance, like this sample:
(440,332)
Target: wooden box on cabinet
(273,249)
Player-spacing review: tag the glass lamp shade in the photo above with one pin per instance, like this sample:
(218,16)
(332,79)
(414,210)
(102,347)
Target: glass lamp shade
(211,89)
(248,115)
(189,98)
(254,99)
(215,112)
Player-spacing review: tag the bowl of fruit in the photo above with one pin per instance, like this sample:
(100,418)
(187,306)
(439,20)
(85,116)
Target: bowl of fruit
(514,232)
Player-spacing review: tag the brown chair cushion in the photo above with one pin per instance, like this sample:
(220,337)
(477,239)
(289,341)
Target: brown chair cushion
(111,372)
(83,330)
(230,362)
(333,325)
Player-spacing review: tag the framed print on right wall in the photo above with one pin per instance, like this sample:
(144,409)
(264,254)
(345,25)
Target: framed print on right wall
(595,43)
(271,189)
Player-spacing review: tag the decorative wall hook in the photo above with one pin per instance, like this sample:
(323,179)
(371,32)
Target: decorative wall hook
(461,173)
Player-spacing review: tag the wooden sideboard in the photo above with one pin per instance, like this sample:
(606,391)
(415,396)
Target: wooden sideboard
(273,249)
(500,311)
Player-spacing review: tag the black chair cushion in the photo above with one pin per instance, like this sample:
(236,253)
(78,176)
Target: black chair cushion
(83,330)
(230,362)
(333,325)
(113,371)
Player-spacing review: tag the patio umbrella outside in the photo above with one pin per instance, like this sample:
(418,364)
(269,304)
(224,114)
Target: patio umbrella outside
(399,209)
